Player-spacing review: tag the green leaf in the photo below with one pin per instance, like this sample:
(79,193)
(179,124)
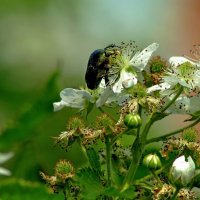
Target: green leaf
(13,189)
(89,108)
(118,170)
(23,128)
(90,184)
(127,194)
(94,159)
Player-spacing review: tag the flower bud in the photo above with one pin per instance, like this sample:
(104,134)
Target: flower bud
(182,171)
(64,170)
(132,120)
(152,161)
(74,123)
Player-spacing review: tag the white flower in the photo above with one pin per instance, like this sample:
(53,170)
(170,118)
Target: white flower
(3,158)
(122,75)
(179,60)
(196,53)
(182,171)
(104,96)
(129,62)
(183,72)
(73,98)
(108,97)
(182,105)
(80,98)
(162,86)
(140,59)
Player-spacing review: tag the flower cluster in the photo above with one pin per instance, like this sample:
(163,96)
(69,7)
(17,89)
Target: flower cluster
(132,89)
(64,172)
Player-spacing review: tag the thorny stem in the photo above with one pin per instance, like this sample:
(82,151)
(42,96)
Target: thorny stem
(163,137)
(173,100)
(108,158)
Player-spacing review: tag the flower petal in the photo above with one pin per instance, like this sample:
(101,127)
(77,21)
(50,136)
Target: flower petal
(140,60)
(104,96)
(182,105)
(182,169)
(5,156)
(59,105)
(4,172)
(72,98)
(162,86)
(178,60)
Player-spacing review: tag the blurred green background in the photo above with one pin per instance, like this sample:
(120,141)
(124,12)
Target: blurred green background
(45,46)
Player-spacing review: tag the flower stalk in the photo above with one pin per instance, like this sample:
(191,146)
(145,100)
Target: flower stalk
(137,151)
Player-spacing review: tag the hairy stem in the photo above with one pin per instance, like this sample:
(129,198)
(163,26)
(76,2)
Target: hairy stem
(163,137)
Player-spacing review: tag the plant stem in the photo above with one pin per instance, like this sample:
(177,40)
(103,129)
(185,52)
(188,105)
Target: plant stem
(156,172)
(157,178)
(163,137)
(137,151)
(145,185)
(173,100)
(139,144)
(65,194)
(108,158)
(175,194)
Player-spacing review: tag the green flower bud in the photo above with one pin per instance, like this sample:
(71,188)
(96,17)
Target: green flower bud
(64,170)
(182,171)
(74,123)
(104,122)
(132,120)
(152,161)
